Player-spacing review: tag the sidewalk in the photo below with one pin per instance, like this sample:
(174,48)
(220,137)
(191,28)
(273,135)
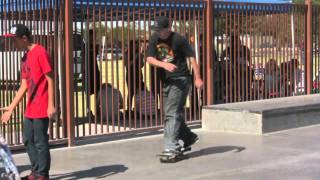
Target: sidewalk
(293,154)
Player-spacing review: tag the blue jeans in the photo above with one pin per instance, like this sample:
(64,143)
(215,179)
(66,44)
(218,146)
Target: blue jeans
(175,92)
(36,141)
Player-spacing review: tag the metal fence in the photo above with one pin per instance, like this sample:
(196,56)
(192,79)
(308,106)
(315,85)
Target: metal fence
(259,51)
(315,49)
(115,90)
(103,84)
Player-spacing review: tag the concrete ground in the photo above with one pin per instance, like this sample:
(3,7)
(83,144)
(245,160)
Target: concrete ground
(293,155)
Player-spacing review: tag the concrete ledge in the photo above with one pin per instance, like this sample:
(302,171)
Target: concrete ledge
(265,116)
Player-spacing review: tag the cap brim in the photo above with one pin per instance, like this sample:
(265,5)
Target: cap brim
(8,35)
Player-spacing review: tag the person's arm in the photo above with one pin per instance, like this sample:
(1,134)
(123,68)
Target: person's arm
(167,66)
(51,109)
(196,72)
(195,67)
(151,54)
(47,70)
(20,94)
(190,56)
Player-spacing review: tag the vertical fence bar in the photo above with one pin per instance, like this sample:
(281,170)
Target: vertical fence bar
(145,66)
(227,83)
(233,55)
(83,68)
(99,79)
(77,100)
(115,51)
(93,60)
(308,63)
(139,75)
(203,55)
(160,85)
(134,69)
(107,12)
(316,28)
(287,51)
(123,68)
(69,71)
(238,51)
(210,49)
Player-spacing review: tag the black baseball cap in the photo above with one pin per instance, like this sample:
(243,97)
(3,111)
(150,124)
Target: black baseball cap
(160,23)
(18,30)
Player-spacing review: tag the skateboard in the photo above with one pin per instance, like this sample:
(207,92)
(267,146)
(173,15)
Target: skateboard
(11,171)
(174,157)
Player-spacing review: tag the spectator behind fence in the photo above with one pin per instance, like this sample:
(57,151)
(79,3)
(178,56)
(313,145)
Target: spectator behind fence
(90,70)
(291,76)
(134,62)
(237,56)
(284,79)
(272,79)
(295,76)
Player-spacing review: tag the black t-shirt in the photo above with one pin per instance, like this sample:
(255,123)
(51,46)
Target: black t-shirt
(175,49)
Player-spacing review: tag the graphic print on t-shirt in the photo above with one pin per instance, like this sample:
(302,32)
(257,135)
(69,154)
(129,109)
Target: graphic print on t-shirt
(32,85)
(165,53)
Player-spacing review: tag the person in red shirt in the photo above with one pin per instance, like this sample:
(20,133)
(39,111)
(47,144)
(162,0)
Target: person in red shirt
(37,81)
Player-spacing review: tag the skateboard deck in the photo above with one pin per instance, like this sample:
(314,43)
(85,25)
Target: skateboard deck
(173,158)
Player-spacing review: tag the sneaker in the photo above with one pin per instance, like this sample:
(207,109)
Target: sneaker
(187,145)
(168,152)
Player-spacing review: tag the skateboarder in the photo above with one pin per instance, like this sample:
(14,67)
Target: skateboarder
(37,81)
(169,52)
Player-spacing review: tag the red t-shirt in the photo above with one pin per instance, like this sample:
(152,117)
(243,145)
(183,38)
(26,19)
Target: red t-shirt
(35,65)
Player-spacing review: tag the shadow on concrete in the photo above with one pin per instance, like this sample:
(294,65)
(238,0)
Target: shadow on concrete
(215,150)
(21,168)
(96,173)
(126,135)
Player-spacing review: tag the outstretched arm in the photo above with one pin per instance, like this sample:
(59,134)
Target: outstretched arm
(196,70)
(20,94)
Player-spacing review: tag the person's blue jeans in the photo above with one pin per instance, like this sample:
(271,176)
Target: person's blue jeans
(175,94)
(36,141)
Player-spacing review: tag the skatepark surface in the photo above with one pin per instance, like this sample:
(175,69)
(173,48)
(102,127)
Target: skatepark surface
(293,154)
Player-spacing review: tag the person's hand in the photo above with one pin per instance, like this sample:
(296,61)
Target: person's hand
(170,67)
(6,116)
(199,83)
(51,111)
